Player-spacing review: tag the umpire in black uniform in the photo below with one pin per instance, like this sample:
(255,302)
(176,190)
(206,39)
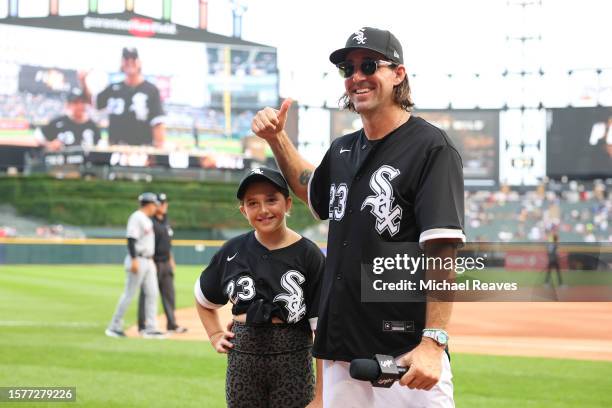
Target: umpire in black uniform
(164,262)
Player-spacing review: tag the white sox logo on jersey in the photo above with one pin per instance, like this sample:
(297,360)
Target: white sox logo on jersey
(139,106)
(387,216)
(88,137)
(294,298)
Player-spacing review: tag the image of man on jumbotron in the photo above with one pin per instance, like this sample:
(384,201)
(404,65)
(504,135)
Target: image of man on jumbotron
(134,106)
(397,179)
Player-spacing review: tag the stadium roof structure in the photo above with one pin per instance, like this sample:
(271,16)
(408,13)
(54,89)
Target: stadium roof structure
(128,24)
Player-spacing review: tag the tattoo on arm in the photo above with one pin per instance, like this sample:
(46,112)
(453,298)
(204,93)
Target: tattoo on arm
(305,177)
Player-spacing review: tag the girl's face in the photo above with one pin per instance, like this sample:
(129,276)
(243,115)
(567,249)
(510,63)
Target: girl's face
(265,207)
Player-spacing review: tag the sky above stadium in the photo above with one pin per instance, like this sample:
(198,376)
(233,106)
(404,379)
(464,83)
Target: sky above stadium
(440,37)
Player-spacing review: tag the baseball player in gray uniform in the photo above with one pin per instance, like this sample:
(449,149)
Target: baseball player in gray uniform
(139,268)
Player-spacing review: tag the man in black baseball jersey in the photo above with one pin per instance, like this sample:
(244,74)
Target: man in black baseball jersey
(134,106)
(398,179)
(164,262)
(75,128)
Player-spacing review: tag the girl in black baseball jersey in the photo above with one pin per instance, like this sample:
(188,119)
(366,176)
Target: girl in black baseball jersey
(272,277)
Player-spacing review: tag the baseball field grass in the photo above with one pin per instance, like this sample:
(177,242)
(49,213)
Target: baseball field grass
(52,321)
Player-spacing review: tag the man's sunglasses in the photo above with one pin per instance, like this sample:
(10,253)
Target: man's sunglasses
(367,67)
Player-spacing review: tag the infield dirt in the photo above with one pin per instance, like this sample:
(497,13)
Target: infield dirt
(576,330)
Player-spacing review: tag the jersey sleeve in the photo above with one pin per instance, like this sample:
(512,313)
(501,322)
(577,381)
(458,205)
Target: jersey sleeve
(316,267)
(208,290)
(439,199)
(156,110)
(135,228)
(49,131)
(103,97)
(318,189)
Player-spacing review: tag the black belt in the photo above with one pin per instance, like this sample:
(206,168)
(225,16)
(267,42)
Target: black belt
(144,256)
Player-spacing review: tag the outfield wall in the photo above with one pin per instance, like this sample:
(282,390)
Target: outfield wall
(510,256)
(94,251)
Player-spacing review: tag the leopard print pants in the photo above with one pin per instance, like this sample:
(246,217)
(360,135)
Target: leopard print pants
(270,367)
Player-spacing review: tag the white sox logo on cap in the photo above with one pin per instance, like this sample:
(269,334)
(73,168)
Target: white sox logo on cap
(360,36)
(257,171)
(374,39)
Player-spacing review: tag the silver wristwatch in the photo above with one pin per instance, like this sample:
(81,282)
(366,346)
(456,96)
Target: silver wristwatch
(438,335)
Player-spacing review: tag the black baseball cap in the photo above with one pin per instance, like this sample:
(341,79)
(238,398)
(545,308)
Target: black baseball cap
(129,52)
(76,94)
(263,174)
(146,198)
(368,38)
(162,197)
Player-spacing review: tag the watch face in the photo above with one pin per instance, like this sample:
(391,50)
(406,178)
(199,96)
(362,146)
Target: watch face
(442,338)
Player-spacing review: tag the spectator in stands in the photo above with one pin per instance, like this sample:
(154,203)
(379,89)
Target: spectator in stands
(569,208)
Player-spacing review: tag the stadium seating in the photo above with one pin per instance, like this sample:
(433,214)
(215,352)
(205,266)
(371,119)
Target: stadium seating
(578,212)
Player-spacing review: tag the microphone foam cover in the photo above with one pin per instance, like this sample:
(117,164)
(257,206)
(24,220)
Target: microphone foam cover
(364,369)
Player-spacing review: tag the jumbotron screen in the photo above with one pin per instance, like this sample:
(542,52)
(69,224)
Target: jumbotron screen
(475,133)
(209,90)
(579,142)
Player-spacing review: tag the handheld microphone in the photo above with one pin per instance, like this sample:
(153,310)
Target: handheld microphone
(380,371)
